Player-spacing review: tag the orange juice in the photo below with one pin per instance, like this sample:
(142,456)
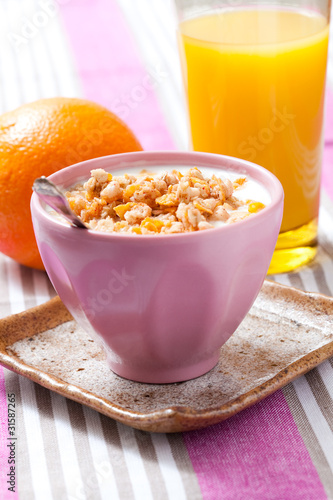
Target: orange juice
(255,83)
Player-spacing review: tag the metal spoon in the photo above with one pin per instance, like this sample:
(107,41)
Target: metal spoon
(53,196)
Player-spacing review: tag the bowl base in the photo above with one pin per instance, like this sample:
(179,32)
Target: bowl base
(167,375)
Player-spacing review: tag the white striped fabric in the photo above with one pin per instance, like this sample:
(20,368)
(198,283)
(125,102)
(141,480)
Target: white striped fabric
(316,418)
(135,466)
(104,470)
(153,25)
(37,458)
(119,468)
(172,478)
(326,372)
(69,460)
(52,75)
(41,289)
(44,59)
(15,288)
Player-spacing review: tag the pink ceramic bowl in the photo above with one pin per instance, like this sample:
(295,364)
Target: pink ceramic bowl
(161,305)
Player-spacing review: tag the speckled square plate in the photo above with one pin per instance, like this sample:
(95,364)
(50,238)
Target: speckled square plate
(287,333)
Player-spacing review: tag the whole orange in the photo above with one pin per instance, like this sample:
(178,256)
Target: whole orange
(38,139)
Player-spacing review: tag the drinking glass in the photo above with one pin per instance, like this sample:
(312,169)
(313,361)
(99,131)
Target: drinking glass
(254,73)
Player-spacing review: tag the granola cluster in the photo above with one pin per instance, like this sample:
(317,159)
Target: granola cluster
(165,203)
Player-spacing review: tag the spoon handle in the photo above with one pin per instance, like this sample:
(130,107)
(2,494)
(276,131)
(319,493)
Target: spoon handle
(53,196)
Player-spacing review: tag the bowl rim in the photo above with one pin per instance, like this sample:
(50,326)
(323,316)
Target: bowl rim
(176,158)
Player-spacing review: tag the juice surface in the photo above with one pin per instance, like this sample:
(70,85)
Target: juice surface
(255,83)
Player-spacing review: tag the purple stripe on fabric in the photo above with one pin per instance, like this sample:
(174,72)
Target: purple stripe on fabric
(258,454)
(5,494)
(111,70)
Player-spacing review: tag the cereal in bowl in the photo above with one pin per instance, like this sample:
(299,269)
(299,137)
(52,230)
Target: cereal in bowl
(163,203)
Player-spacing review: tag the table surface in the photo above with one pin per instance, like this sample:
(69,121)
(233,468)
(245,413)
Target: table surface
(123,54)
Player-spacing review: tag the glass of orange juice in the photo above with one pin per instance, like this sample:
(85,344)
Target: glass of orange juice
(254,73)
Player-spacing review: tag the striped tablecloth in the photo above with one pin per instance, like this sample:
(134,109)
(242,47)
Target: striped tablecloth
(122,54)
